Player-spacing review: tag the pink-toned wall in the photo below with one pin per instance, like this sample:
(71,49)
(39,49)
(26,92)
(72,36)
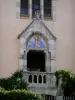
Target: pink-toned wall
(0,38)
(63,28)
(10,28)
(65,33)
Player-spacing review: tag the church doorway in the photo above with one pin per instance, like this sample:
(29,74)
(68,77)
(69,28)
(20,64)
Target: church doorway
(36,60)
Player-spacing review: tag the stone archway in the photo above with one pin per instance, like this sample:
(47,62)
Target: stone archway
(36,48)
(48,48)
(36,60)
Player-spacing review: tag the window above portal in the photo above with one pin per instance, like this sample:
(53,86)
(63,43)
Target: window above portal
(24,11)
(35,7)
(31,7)
(47,8)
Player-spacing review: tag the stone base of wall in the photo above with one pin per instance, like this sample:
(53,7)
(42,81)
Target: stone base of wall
(43,90)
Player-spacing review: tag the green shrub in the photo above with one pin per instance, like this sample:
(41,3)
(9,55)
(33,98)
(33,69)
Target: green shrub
(19,95)
(68,81)
(16,81)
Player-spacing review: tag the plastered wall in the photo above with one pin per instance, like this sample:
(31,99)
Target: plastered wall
(63,27)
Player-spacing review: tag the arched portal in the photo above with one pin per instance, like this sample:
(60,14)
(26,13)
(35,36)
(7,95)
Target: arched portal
(36,60)
(35,46)
(36,54)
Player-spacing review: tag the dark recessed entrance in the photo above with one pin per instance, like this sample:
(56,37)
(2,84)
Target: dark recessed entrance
(36,60)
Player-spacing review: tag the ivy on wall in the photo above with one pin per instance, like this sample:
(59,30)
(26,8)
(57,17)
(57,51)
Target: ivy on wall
(68,81)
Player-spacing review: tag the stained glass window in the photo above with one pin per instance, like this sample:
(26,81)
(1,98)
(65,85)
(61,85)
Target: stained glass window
(47,8)
(35,7)
(24,8)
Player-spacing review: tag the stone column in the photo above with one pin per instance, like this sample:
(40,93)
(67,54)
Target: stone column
(42,8)
(59,95)
(42,79)
(18,9)
(32,78)
(22,49)
(21,63)
(52,50)
(49,55)
(54,10)
(25,61)
(30,9)
(47,62)
(37,78)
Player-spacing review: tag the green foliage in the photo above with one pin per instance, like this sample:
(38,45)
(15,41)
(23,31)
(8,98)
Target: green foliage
(68,81)
(16,81)
(19,95)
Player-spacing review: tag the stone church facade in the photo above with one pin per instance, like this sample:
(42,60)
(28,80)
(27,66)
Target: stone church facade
(37,40)
(39,80)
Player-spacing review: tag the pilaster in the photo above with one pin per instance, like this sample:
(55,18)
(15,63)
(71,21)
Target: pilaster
(30,9)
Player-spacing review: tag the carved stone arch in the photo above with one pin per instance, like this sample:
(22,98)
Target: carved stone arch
(50,48)
(45,39)
(37,33)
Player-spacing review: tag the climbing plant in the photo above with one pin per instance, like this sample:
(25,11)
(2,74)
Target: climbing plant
(68,81)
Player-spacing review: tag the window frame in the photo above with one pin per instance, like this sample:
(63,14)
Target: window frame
(47,18)
(30,15)
(33,15)
(26,16)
